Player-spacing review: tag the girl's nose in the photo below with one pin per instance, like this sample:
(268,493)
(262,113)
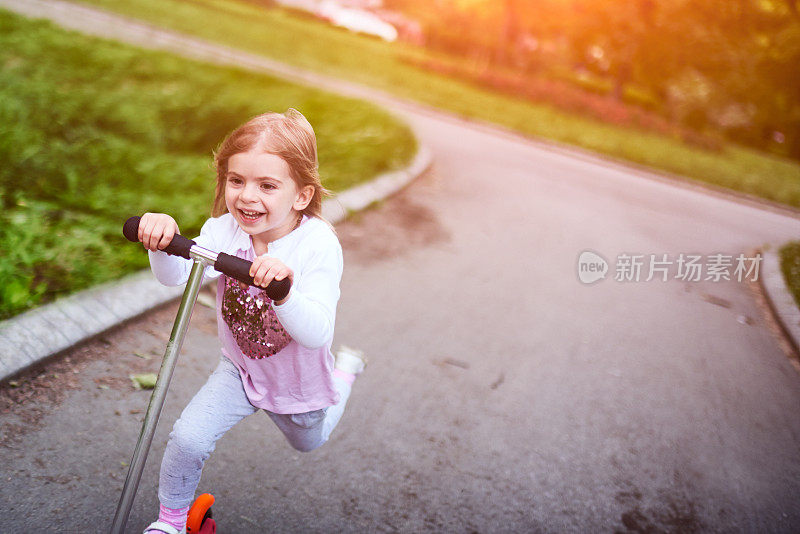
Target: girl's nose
(249,192)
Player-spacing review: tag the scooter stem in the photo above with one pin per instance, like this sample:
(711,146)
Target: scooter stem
(157,398)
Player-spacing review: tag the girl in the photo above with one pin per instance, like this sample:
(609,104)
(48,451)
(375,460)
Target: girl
(275,355)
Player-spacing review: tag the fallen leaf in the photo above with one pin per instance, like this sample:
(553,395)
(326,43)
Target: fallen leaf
(456,363)
(144,380)
(500,380)
(717,301)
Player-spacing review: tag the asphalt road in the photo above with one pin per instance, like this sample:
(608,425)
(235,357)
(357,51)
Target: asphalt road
(503,395)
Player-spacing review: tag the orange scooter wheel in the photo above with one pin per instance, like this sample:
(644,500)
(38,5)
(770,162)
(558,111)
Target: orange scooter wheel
(199,518)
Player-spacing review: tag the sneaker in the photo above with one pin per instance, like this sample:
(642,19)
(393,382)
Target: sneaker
(166,528)
(350,360)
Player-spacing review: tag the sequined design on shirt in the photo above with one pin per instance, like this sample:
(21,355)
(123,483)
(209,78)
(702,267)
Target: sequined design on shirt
(252,321)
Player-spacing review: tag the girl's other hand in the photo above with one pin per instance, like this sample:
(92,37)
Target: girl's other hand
(265,269)
(156,230)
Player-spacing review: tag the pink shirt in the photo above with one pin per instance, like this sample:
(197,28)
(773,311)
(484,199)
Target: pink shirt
(282,352)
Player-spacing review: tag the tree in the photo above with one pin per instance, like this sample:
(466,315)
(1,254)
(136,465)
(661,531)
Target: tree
(739,58)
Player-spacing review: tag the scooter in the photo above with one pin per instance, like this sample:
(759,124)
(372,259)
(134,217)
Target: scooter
(199,519)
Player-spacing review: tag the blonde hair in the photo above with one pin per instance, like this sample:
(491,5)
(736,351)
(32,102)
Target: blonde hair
(288,135)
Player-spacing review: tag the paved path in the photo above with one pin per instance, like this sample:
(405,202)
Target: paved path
(503,394)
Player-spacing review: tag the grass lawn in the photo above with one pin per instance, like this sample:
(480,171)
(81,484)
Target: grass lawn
(303,41)
(790,266)
(93,131)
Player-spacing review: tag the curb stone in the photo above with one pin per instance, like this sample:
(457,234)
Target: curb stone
(780,299)
(39,334)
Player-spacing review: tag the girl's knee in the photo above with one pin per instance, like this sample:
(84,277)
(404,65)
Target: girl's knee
(307,430)
(304,431)
(189,443)
(307,445)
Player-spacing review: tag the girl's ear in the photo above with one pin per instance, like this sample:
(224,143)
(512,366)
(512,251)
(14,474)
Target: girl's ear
(304,197)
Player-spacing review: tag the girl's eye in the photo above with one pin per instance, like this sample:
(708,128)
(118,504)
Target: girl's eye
(234,181)
(267,186)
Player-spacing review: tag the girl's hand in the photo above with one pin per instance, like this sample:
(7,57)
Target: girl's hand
(265,269)
(156,230)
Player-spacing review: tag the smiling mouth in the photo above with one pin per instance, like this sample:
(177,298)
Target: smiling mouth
(250,216)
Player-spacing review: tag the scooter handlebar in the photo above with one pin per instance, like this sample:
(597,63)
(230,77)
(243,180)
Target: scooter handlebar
(232,266)
(179,246)
(239,269)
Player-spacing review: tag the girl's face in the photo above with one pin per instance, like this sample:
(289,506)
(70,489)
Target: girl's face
(262,196)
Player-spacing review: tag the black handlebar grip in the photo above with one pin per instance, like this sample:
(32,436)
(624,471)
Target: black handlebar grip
(240,270)
(179,246)
(131,229)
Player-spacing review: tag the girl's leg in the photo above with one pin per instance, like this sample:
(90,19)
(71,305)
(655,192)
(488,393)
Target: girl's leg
(307,431)
(220,404)
(335,412)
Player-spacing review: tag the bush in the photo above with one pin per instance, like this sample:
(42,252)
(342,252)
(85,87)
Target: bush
(588,98)
(790,266)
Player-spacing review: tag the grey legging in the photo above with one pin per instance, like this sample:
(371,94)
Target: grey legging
(220,404)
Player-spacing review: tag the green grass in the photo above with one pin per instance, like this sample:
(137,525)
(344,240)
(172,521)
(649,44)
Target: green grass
(93,131)
(790,266)
(308,43)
